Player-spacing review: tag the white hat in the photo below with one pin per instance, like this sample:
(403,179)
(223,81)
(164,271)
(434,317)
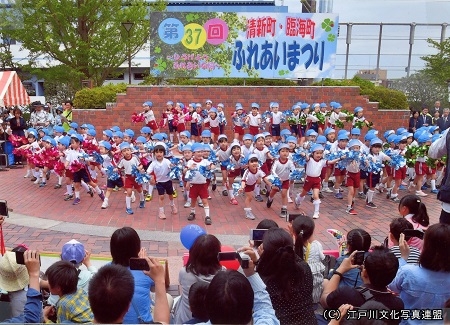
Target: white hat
(13,277)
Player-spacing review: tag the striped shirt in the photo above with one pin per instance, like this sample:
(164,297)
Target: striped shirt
(413,257)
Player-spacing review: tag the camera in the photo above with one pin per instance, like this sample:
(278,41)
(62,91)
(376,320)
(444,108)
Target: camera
(359,257)
(243,258)
(139,264)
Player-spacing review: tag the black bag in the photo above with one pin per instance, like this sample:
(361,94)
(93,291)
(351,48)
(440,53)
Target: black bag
(329,261)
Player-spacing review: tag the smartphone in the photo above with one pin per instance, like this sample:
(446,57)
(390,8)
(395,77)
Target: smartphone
(291,217)
(4,211)
(139,264)
(227,256)
(358,259)
(257,234)
(244,260)
(19,258)
(409,233)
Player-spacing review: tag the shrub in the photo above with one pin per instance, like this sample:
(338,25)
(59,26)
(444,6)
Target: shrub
(97,97)
(219,82)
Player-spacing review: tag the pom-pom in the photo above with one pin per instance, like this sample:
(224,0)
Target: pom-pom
(189,175)
(299,158)
(225,163)
(274,152)
(17,140)
(207,173)
(89,147)
(213,158)
(112,174)
(139,177)
(137,117)
(97,157)
(76,166)
(236,187)
(296,175)
(275,181)
(398,161)
(59,168)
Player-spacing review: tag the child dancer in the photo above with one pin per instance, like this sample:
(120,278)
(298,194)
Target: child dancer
(236,163)
(339,174)
(336,115)
(187,155)
(150,119)
(400,174)
(314,165)
(222,117)
(247,148)
(198,185)
(223,155)
(238,119)
(159,169)
(281,168)
(252,176)
(353,177)
(214,123)
(373,178)
(104,148)
(253,120)
(359,117)
(276,117)
(263,154)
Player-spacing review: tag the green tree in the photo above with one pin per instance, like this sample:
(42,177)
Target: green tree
(86,36)
(420,88)
(437,66)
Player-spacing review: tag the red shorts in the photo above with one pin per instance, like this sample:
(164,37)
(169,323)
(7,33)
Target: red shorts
(340,172)
(130,182)
(431,171)
(181,127)
(249,188)
(152,125)
(198,190)
(353,179)
(215,130)
(285,185)
(253,130)
(265,168)
(69,174)
(421,168)
(323,173)
(399,173)
(234,173)
(206,125)
(311,183)
(239,130)
(333,126)
(223,167)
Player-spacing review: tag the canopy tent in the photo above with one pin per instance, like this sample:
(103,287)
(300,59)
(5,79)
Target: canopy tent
(12,92)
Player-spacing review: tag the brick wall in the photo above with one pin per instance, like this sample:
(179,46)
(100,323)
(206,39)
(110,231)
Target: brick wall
(120,113)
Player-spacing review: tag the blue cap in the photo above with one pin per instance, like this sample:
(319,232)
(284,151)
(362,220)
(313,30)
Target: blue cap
(213,110)
(401,131)
(238,107)
(342,137)
(222,136)
(77,136)
(433,128)
(369,136)
(266,134)
(91,132)
(220,105)
(291,139)
(158,137)
(206,147)
(108,133)
(65,141)
(274,104)
(387,133)
(321,139)
(187,134)
(283,146)
(296,106)
(304,105)
(260,135)
(399,138)
(247,136)
(323,105)
(328,131)
(391,138)
(187,147)
(311,132)
(169,102)
(285,132)
(45,131)
(197,147)
(90,126)
(118,134)
(435,137)
(128,132)
(425,137)
(317,147)
(49,140)
(164,135)
(141,139)
(71,131)
(358,109)
(198,105)
(375,141)
(115,128)
(58,129)
(84,126)
(124,145)
(255,105)
(208,101)
(354,142)
(74,125)
(105,144)
(206,134)
(337,105)
(146,129)
(356,131)
(148,103)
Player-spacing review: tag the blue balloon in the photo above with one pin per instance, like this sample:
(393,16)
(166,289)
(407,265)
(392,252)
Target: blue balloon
(189,234)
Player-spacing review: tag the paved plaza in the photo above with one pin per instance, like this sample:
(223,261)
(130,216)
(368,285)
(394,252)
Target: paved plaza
(43,220)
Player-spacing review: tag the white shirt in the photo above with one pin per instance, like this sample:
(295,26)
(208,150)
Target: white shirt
(246,151)
(213,123)
(335,116)
(223,155)
(276,117)
(73,155)
(160,169)
(282,170)
(198,177)
(149,116)
(254,120)
(314,168)
(107,161)
(251,178)
(438,149)
(262,154)
(127,164)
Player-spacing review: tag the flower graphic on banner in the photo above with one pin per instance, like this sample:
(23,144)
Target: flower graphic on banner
(327,25)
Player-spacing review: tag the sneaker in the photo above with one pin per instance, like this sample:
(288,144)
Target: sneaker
(200,204)
(174,209)
(371,205)
(309,192)
(411,186)
(249,215)
(269,202)
(33,179)
(27,175)
(424,187)
(225,193)
(435,191)
(351,211)
(42,184)
(321,195)
(191,216)
(233,201)
(115,189)
(316,215)
(258,198)
(388,194)
(339,196)
(57,186)
(91,192)
(101,195)
(187,204)
(380,188)
(327,190)
(297,202)
(175,194)
(283,213)
(402,187)
(133,197)
(129,211)
(395,199)
(76,201)
(208,221)
(141,204)
(36,181)
(290,200)
(361,195)
(162,215)
(209,197)
(214,186)
(105,204)
(263,191)
(148,197)
(420,193)
(68,197)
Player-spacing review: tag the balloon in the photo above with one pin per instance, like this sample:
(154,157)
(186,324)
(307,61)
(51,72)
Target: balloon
(189,234)
(230,265)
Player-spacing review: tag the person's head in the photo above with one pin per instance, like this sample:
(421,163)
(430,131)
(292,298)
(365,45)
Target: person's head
(412,204)
(74,143)
(259,143)
(397,227)
(17,112)
(236,150)
(203,255)
(229,299)
(302,228)
(125,243)
(110,292)
(415,114)
(284,153)
(437,104)
(380,266)
(358,240)
(425,110)
(264,224)
(435,253)
(445,112)
(253,163)
(68,105)
(62,278)
(197,300)
(223,141)
(159,152)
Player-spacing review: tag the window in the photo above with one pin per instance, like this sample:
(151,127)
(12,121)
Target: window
(115,76)
(140,75)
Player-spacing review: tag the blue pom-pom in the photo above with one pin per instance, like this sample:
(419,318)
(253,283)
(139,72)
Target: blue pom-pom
(298,158)
(97,157)
(397,162)
(274,152)
(175,172)
(275,181)
(213,158)
(189,175)
(207,173)
(296,175)
(236,187)
(111,174)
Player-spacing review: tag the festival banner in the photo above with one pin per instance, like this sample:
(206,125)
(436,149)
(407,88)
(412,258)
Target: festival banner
(242,45)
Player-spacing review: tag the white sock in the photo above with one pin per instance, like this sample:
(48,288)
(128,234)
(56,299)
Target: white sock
(206,212)
(257,190)
(98,190)
(231,194)
(77,194)
(128,202)
(171,203)
(433,184)
(171,137)
(316,204)
(300,198)
(370,196)
(141,196)
(324,184)
(85,186)
(69,189)
(36,174)
(161,209)
(60,180)
(150,189)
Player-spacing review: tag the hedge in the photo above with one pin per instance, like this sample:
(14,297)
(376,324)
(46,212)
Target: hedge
(220,82)
(97,97)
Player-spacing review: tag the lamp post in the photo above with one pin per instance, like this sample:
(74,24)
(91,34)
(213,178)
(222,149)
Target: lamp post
(128,26)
